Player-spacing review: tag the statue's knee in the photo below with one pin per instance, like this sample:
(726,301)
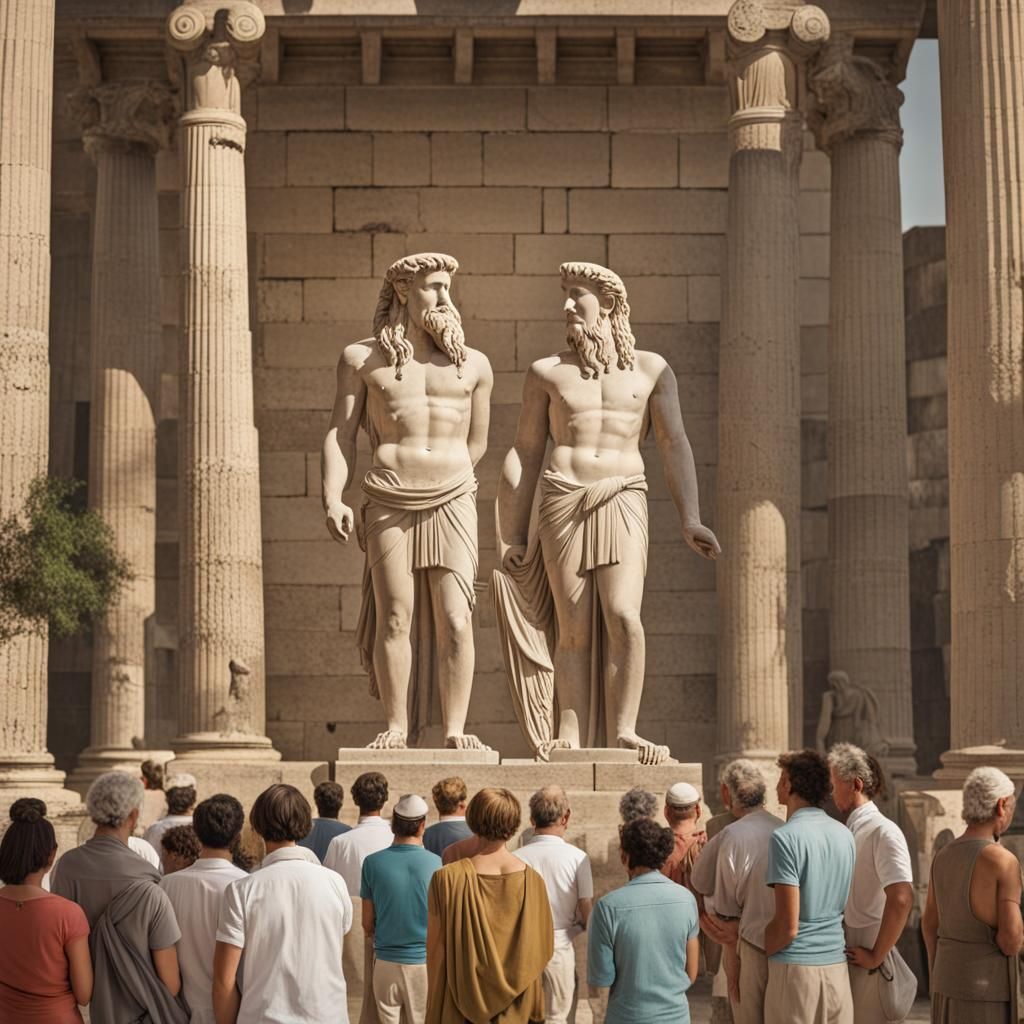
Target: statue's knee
(459,629)
(397,623)
(625,626)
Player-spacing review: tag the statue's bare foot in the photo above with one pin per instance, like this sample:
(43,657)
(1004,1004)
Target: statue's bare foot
(646,751)
(390,739)
(544,750)
(465,741)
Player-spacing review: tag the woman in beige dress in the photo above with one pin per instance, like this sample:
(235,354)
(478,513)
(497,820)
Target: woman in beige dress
(489,930)
(972,921)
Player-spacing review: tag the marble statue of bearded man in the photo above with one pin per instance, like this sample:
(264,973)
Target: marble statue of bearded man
(569,595)
(423,397)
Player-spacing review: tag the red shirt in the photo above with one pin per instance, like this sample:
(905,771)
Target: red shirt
(35,979)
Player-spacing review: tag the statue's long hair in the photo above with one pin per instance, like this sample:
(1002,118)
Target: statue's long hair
(610,285)
(392,316)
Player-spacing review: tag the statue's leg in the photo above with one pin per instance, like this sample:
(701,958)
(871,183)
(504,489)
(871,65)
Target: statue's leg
(393,591)
(573,594)
(621,588)
(453,628)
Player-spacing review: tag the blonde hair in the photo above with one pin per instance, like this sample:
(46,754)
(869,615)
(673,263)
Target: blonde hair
(494,814)
(448,794)
(389,319)
(610,285)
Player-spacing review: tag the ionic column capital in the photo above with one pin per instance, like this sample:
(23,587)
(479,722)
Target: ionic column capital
(125,116)
(768,46)
(219,40)
(853,95)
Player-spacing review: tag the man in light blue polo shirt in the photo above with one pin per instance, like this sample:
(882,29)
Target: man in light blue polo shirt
(394,892)
(810,867)
(642,939)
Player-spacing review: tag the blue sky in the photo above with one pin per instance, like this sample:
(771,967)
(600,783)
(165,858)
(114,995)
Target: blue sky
(921,159)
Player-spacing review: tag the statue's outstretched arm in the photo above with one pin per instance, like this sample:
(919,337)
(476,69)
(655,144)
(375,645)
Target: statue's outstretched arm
(677,455)
(521,469)
(338,459)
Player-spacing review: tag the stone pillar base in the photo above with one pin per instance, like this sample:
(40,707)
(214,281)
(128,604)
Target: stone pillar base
(958,764)
(213,746)
(29,773)
(93,762)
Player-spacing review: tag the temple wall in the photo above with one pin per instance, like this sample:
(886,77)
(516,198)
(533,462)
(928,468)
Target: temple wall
(512,180)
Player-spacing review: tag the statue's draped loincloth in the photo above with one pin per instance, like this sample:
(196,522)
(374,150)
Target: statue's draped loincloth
(436,527)
(583,526)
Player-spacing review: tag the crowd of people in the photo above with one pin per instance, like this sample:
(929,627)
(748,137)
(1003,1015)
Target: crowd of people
(216,918)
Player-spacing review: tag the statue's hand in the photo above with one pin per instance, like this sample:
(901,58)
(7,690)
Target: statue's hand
(703,541)
(514,556)
(340,520)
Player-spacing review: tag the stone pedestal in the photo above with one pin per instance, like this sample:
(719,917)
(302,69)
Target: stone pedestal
(758,510)
(26,99)
(981,47)
(221,649)
(124,126)
(857,122)
(415,755)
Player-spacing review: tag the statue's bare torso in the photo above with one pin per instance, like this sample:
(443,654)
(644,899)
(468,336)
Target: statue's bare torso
(597,425)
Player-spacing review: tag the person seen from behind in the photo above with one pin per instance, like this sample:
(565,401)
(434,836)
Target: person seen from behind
(642,939)
(810,866)
(45,968)
(972,923)
(328,797)
(450,798)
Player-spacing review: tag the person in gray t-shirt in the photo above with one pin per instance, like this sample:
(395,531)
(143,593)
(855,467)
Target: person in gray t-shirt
(450,800)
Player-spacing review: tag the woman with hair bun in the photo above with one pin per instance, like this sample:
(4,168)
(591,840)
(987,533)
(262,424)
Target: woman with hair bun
(45,970)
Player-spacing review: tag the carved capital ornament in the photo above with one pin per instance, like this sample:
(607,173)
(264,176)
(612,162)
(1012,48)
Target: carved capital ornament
(125,115)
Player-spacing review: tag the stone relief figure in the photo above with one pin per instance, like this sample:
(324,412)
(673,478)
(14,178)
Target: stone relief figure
(569,593)
(849,714)
(423,397)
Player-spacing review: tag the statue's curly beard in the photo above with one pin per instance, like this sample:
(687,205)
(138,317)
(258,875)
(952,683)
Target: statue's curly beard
(444,325)
(595,345)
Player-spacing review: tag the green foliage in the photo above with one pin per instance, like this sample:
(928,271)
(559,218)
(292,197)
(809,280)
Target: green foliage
(58,563)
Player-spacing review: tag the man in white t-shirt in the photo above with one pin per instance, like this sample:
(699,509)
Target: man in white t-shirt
(290,918)
(181,798)
(345,855)
(566,872)
(730,874)
(196,893)
(881,893)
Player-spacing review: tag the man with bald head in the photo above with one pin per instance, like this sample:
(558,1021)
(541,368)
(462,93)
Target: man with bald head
(566,872)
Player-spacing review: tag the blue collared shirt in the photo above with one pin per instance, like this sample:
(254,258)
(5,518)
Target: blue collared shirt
(636,945)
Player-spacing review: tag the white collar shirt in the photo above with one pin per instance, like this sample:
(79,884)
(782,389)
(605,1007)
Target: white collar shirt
(196,893)
(145,850)
(740,862)
(883,858)
(568,877)
(155,832)
(290,917)
(347,852)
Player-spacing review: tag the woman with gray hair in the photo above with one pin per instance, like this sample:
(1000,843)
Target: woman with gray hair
(637,803)
(974,931)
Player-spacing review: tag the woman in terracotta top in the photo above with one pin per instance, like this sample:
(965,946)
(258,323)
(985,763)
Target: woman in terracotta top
(972,921)
(45,970)
(489,930)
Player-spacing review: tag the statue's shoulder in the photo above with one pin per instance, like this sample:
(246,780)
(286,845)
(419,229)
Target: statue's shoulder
(650,362)
(359,355)
(478,362)
(547,367)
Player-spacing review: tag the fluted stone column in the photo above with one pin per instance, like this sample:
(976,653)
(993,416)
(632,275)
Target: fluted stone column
(26,117)
(758,508)
(220,650)
(981,54)
(857,122)
(125,123)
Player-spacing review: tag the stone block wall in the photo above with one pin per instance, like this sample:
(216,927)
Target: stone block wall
(924,261)
(512,181)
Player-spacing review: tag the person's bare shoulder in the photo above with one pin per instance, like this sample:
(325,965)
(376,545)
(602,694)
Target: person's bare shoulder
(998,858)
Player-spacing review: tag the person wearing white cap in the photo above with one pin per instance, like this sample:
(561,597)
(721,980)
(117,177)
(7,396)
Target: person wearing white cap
(682,812)
(180,790)
(972,922)
(569,880)
(394,893)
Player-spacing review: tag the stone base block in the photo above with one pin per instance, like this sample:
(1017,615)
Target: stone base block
(246,780)
(93,763)
(415,755)
(602,755)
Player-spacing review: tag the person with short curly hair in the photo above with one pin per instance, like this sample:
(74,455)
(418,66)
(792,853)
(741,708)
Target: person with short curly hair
(642,940)
(450,797)
(481,973)
(180,848)
(180,792)
(810,867)
(290,919)
(196,893)
(45,968)
(328,797)
(637,803)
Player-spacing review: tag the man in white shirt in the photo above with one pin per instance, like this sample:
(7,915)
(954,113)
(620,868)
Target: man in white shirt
(345,855)
(181,798)
(730,875)
(196,893)
(290,918)
(566,872)
(881,894)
